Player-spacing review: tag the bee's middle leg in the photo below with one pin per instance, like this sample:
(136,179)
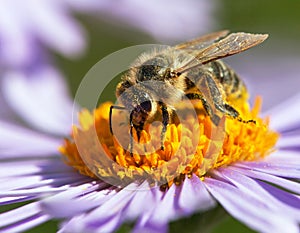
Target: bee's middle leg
(193,96)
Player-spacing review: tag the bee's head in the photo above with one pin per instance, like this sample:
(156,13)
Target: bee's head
(141,112)
(139,101)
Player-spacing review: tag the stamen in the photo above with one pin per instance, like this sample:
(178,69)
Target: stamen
(184,152)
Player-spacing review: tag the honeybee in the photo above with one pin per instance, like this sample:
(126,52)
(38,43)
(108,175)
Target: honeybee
(159,80)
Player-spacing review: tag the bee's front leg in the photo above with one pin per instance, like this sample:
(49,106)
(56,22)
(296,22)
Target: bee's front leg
(131,134)
(165,122)
(138,129)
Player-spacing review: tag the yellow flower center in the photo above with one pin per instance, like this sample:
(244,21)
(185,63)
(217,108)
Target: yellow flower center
(95,152)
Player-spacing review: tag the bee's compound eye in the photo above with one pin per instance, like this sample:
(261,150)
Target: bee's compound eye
(146,105)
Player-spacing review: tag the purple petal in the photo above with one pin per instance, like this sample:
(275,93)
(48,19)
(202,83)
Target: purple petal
(28,180)
(248,209)
(34,167)
(138,206)
(109,212)
(17,141)
(164,26)
(284,183)
(167,208)
(289,141)
(13,200)
(179,201)
(41,98)
(267,78)
(76,200)
(26,224)
(286,115)
(19,214)
(15,39)
(284,170)
(37,192)
(41,185)
(6,113)
(158,217)
(87,6)
(194,196)
(151,227)
(285,197)
(253,188)
(110,224)
(15,189)
(53,25)
(285,157)
(36,181)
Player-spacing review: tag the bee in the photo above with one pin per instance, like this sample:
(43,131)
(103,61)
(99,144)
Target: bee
(159,80)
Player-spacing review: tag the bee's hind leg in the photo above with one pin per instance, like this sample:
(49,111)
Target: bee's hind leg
(235,114)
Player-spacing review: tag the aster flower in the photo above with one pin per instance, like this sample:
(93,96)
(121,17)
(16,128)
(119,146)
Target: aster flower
(262,192)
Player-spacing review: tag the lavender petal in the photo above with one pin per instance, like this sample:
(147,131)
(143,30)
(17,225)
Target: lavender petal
(44,93)
(156,220)
(288,119)
(284,157)
(197,14)
(34,167)
(76,200)
(15,41)
(289,199)
(26,224)
(291,141)
(194,196)
(138,205)
(13,200)
(249,210)
(17,141)
(283,170)
(253,188)
(281,182)
(19,214)
(110,212)
(61,32)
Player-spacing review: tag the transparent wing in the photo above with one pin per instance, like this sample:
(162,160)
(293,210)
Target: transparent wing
(202,42)
(231,44)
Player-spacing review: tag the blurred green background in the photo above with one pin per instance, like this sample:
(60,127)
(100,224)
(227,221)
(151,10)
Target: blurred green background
(281,19)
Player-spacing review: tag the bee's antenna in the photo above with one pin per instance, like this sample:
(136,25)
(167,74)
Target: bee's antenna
(110,115)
